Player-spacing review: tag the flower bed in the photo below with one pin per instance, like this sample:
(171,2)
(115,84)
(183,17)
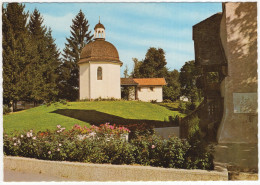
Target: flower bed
(104,144)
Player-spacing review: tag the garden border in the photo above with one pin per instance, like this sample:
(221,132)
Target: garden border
(76,171)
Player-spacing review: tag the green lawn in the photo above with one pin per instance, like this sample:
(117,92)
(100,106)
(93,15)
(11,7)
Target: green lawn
(86,113)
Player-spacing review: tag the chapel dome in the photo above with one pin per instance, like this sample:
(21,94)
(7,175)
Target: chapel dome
(99,50)
(99,25)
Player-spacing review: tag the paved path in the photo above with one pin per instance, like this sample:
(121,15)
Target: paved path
(14,176)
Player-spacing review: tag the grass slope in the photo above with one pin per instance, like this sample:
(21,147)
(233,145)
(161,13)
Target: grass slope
(84,113)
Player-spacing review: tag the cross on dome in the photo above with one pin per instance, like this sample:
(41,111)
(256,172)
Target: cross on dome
(99,31)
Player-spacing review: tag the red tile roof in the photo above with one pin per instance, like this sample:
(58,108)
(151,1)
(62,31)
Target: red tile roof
(128,81)
(143,81)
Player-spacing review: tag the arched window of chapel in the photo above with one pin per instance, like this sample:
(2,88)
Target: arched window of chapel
(99,73)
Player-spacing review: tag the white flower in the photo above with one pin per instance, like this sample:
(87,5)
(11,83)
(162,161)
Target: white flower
(58,149)
(58,126)
(49,152)
(31,134)
(19,142)
(34,138)
(60,144)
(14,138)
(28,134)
(15,144)
(58,131)
(21,136)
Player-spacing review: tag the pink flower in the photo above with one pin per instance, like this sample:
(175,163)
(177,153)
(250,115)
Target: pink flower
(21,136)
(49,152)
(28,134)
(58,149)
(58,126)
(153,146)
(34,138)
(62,129)
(31,134)
(15,144)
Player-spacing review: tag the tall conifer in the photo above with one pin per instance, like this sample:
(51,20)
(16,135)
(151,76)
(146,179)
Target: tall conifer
(17,52)
(69,78)
(44,75)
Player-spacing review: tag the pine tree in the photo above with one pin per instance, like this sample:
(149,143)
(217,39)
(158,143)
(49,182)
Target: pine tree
(43,76)
(69,78)
(17,52)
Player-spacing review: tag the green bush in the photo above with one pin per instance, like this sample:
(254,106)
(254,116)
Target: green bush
(190,106)
(6,109)
(147,149)
(167,101)
(182,107)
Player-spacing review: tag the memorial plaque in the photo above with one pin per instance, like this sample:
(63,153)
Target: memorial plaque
(245,102)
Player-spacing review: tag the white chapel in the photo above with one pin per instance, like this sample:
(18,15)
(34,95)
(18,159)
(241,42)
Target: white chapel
(99,68)
(99,73)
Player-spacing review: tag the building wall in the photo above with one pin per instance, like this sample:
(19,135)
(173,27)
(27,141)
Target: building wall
(239,40)
(109,86)
(84,81)
(147,95)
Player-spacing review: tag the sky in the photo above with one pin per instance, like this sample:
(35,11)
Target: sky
(133,27)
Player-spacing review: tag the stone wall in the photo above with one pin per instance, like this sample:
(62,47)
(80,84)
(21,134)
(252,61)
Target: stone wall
(239,89)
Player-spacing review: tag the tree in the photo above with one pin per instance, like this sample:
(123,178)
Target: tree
(126,75)
(69,70)
(43,76)
(154,64)
(135,73)
(18,52)
(172,90)
(188,77)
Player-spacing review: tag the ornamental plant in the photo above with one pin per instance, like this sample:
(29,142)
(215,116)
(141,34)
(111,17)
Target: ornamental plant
(64,144)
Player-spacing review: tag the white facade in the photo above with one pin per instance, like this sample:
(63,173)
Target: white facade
(150,93)
(92,88)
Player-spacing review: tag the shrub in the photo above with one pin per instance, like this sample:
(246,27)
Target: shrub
(182,107)
(190,106)
(167,101)
(6,109)
(149,149)
(64,102)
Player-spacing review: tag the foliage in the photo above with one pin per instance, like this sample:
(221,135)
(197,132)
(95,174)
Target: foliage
(189,74)
(17,53)
(62,144)
(69,70)
(6,109)
(154,66)
(182,107)
(30,57)
(190,106)
(172,89)
(44,73)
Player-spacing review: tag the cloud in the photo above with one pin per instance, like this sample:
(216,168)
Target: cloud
(168,45)
(59,23)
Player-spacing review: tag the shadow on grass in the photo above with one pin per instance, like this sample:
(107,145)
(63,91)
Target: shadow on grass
(96,118)
(168,106)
